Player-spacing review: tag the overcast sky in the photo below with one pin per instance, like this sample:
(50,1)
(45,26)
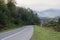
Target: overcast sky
(39,4)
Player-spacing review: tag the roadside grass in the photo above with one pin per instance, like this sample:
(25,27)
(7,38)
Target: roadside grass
(41,33)
(9,28)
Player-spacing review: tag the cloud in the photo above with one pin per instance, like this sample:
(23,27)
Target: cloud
(39,4)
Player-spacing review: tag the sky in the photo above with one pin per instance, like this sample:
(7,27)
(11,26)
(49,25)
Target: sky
(39,4)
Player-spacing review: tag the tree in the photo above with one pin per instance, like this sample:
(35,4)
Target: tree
(28,16)
(3,12)
(59,21)
(12,8)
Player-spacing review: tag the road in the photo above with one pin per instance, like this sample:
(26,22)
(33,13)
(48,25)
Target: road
(24,33)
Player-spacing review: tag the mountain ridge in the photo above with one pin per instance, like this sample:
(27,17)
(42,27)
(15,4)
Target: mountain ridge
(49,13)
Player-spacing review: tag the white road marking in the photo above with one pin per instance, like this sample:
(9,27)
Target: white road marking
(22,35)
(12,35)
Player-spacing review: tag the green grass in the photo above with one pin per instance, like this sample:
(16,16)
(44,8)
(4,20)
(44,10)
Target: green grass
(10,27)
(41,33)
(5,30)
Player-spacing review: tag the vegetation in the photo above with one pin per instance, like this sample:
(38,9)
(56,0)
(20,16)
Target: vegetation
(55,25)
(42,33)
(12,16)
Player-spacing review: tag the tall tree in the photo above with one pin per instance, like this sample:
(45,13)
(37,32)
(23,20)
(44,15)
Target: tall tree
(11,6)
(3,12)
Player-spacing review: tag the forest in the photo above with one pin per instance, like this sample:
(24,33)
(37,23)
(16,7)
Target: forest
(12,16)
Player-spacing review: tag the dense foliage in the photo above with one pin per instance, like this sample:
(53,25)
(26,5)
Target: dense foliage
(53,24)
(12,16)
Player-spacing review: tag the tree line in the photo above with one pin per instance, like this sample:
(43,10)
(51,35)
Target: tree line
(12,16)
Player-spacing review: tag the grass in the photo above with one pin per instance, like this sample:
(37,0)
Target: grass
(5,30)
(41,33)
(10,27)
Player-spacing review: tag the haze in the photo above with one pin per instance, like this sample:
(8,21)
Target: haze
(39,5)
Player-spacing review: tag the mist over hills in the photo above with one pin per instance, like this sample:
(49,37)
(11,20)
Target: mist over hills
(50,13)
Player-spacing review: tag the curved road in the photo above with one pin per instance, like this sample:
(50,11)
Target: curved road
(24,33)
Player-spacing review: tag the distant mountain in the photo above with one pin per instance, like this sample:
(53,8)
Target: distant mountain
(46,19)
(50,13)
(57,17)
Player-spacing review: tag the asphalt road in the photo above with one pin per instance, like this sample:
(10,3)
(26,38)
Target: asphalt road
(24,33)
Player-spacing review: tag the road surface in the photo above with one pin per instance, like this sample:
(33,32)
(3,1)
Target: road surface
(24,33)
